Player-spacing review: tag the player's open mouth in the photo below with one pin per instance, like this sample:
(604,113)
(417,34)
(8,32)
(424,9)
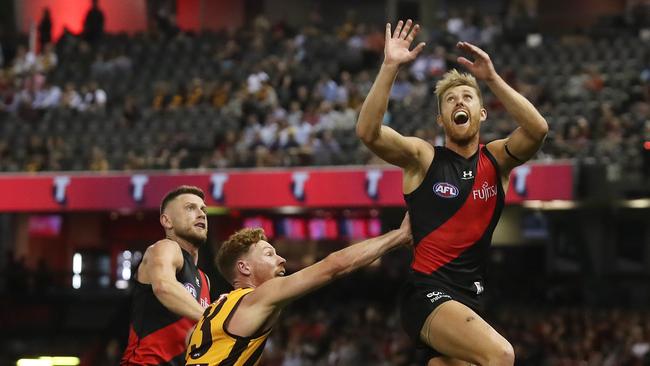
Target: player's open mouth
(200,225)
(460,117)
(281,273)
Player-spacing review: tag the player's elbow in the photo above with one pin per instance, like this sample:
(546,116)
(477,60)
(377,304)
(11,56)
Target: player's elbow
(541,129)
(160,288)
(366,134)
(536,129)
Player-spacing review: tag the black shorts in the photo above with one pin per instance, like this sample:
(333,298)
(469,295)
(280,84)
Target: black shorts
(419,296)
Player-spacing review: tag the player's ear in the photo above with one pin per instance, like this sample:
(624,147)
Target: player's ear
(243,267)
(166,221)
(483,114)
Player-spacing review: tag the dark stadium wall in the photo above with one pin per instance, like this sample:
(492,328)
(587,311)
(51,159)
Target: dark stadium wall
(559,15)
(194,15)
(119,15)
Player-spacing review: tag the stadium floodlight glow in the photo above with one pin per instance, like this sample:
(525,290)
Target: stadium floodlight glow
(559,205)
(49,361)
(549,205)
(216,210)
(638,203)
(76,281)
(534,204)
(290,210)
(76,263)
(61,360)
(32,362)
(126,271)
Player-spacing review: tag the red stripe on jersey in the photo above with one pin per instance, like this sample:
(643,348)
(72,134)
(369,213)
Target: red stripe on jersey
(158,347)
(204,296)
(465,227)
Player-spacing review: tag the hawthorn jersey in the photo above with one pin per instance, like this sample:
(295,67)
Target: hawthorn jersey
(157,336)
(212,345)
(453,214)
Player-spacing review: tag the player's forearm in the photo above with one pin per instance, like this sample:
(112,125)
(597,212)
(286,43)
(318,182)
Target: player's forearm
(521,110)
(363,253)
(374,107)
(176,299)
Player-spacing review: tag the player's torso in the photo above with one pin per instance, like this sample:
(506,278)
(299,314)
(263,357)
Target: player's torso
(212,344)
(453,215)
(157,336)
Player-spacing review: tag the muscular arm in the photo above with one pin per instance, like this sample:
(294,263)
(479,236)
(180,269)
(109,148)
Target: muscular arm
(159,265)
(524,142)
(274,294)
(383,140)
(387,143)
(526,139)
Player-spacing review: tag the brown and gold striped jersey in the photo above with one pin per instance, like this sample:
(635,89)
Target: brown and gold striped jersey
(212,345)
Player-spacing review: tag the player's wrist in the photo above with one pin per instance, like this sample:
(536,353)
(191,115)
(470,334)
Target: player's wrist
(390,65)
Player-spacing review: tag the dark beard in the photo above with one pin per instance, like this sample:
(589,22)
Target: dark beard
(192,239)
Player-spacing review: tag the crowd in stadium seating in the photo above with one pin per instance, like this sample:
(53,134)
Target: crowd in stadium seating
(271,95)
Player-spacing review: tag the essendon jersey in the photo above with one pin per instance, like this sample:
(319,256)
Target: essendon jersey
(453,215)
(157,336)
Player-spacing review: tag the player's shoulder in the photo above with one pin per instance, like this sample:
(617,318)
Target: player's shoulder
(426,151)
(164,246)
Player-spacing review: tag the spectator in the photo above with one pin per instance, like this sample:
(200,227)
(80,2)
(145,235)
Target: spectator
(93,29)
(45,29)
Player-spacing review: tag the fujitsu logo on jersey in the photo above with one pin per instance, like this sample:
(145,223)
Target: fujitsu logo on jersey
(485,192)
(445,190)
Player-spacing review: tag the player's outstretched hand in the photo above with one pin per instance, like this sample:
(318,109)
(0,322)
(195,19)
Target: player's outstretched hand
(396,49)
(482,67)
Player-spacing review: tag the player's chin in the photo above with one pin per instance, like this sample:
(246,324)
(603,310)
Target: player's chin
(199,237)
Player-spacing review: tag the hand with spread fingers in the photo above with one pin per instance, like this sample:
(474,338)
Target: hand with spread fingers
(482,67)
(396,49)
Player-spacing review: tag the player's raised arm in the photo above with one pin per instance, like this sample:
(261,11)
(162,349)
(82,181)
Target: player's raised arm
(387,143)
(524,141)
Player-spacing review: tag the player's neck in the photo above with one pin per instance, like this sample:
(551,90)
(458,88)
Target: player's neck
(464,150)
(243,283)
(186,245)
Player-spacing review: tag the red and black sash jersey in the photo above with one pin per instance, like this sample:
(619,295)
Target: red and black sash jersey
(453,215)
(156,335)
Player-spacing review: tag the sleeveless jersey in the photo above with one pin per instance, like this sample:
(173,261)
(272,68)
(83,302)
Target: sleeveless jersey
(212,345)
(157,336)
(453,215)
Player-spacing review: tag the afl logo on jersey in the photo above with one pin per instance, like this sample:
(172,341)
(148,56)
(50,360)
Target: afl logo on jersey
(190,288)
(445,190)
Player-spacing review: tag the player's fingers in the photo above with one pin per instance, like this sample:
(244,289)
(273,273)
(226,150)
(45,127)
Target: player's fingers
(418,48)
(398,29)
(465,62)
(405,30)
(411,36)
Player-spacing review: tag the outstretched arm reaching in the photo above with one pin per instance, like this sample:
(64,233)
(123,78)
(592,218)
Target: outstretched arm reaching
(524,141)
(387,143)
(274,294)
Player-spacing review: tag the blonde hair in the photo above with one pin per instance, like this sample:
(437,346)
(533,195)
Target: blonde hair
(232,249)
(453,79)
